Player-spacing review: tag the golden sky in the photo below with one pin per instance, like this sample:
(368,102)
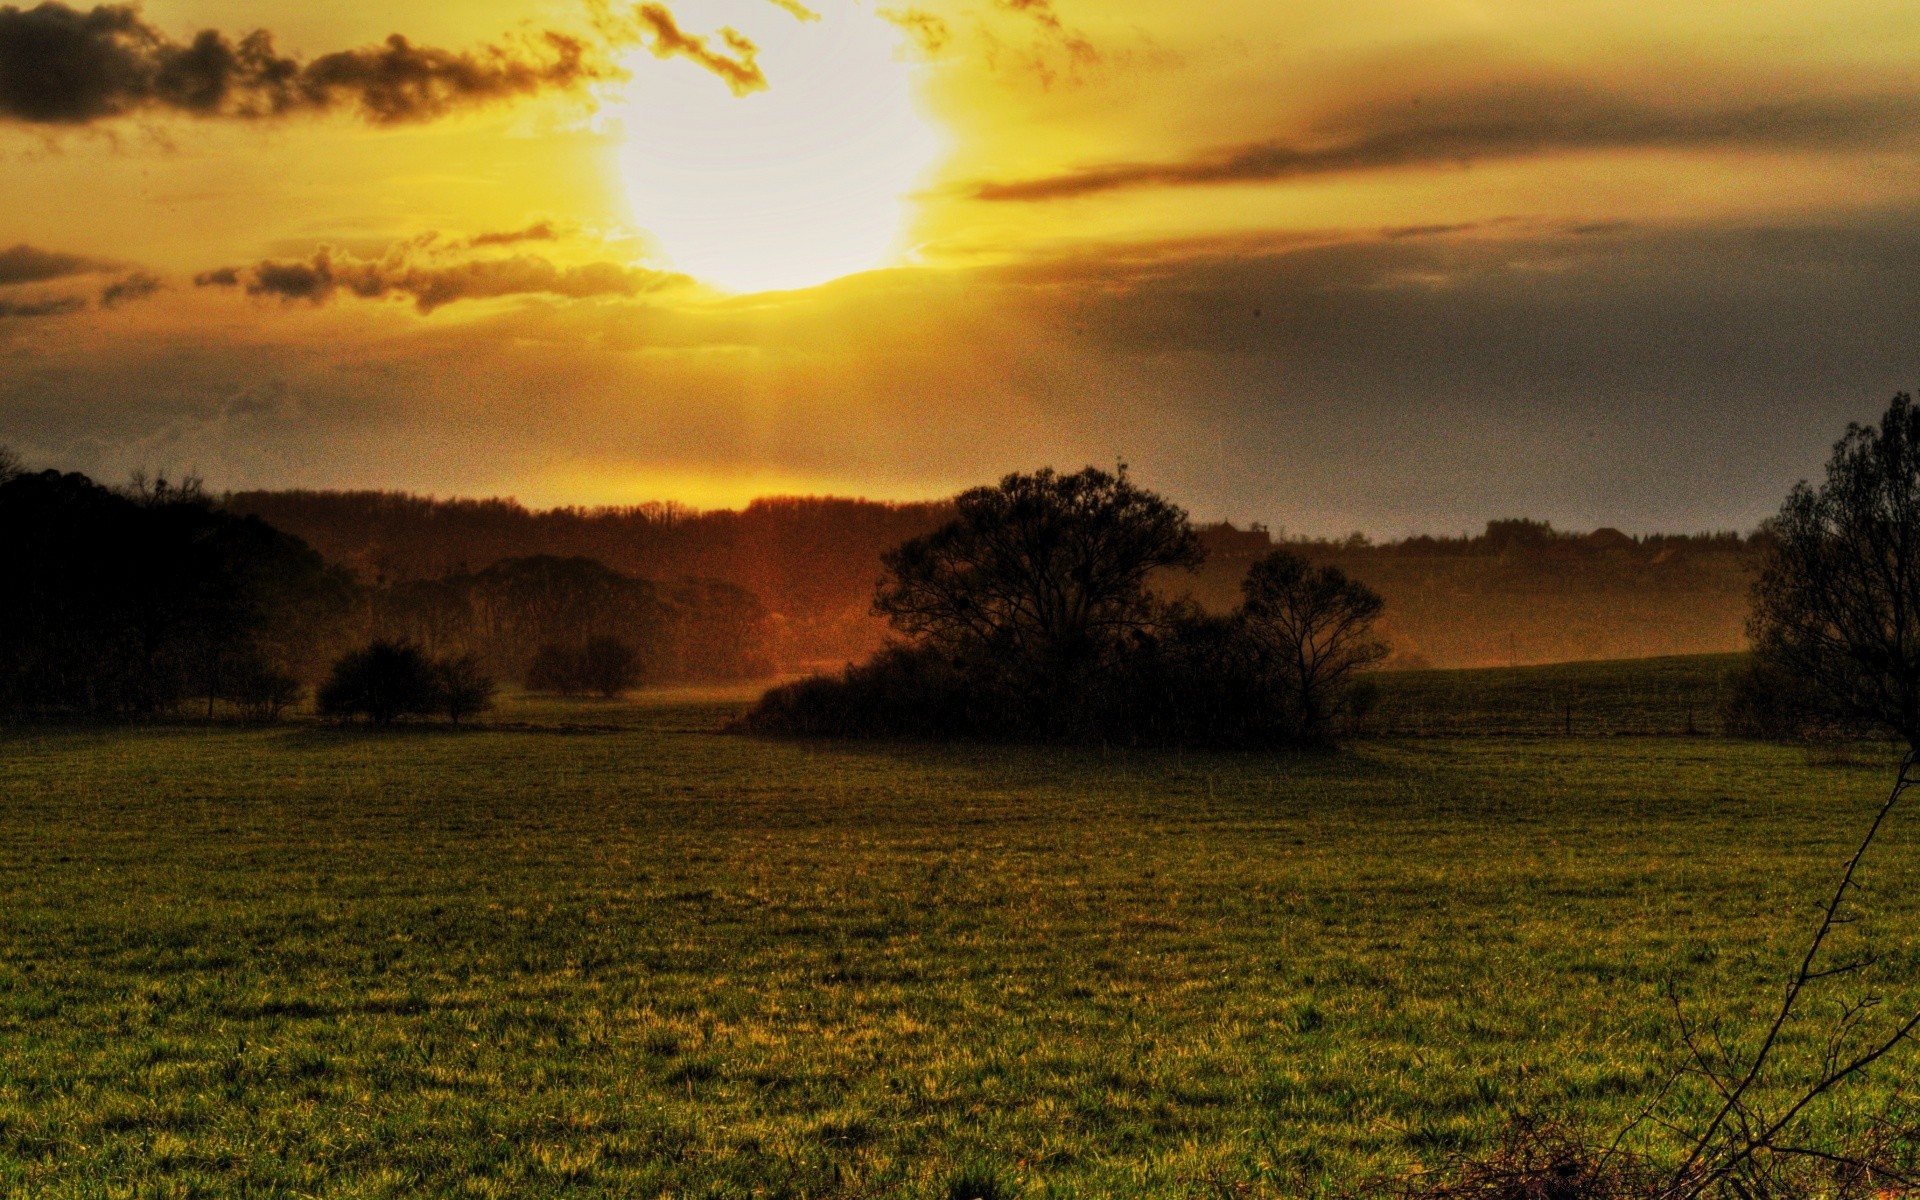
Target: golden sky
(1330,263)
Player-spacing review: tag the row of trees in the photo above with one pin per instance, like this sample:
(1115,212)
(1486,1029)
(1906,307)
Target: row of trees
(1032,614)
(520,610)
(149,599)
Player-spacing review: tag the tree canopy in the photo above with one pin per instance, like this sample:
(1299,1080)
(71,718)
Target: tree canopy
(1836,618)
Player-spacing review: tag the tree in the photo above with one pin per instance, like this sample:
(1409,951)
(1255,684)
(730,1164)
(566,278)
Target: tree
(1040,573)
(127,602)
(556,668)
(609,666)
(1837,604)
(384,681)
(464,688)
(1314,631)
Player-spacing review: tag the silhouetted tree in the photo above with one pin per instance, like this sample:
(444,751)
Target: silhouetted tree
(128,602)
(464,687)
(1837,604)
(1041,575)
(259,691)
(556,668)
(609,666)
(384,681)
(1314,629)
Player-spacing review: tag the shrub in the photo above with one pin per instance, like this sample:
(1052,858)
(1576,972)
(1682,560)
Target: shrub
(262,693)
(609,666)
(606,666)
(555,668)
(384,681)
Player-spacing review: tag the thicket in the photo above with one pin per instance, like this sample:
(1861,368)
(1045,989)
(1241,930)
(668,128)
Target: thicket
(140,601)
(1029,617)
(389,680)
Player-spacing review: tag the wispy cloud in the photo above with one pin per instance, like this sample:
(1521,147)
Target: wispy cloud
(433,275)
(653,25)
(1497,123)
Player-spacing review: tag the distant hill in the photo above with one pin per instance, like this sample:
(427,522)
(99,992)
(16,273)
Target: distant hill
(1519,593)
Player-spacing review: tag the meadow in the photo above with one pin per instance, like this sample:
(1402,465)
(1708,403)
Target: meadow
(605,950)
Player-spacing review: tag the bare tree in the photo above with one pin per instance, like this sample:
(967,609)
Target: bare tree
(1315,628)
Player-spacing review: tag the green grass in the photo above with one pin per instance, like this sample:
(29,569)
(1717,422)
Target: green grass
(600,950)
(1648,697)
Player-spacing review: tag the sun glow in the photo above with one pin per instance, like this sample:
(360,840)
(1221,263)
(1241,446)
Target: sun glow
(788,187)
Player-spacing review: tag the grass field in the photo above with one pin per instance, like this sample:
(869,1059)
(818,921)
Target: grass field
(601,950)
(1650,697)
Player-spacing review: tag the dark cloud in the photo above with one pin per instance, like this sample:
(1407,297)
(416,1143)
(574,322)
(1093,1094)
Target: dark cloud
(70,66)
(431,280)
(137,285)
(1499,123)
(56,306)
(26,264)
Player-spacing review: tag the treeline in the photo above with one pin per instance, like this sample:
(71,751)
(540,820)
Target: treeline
(1517,592)
(516,610)
(1522,592)
(149,599)
(811,561)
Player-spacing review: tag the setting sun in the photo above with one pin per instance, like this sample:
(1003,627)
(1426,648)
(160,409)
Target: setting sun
(787,187)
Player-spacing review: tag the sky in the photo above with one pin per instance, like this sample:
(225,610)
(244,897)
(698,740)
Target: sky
(1394,266)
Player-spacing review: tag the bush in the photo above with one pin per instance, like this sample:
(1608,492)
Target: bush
(606,666)
(262,693)
(382,682)
(464,689)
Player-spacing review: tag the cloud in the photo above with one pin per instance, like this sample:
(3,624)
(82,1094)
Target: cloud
(543,231)
(68,66)
(800,11)
(931,34)
(56,306)
(651,24)
(137,285)
(1497,123)
(1078,48)
(26,264)
(421,271)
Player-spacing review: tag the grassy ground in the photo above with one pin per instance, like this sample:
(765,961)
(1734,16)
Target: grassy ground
(600,950)
(1648,697)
